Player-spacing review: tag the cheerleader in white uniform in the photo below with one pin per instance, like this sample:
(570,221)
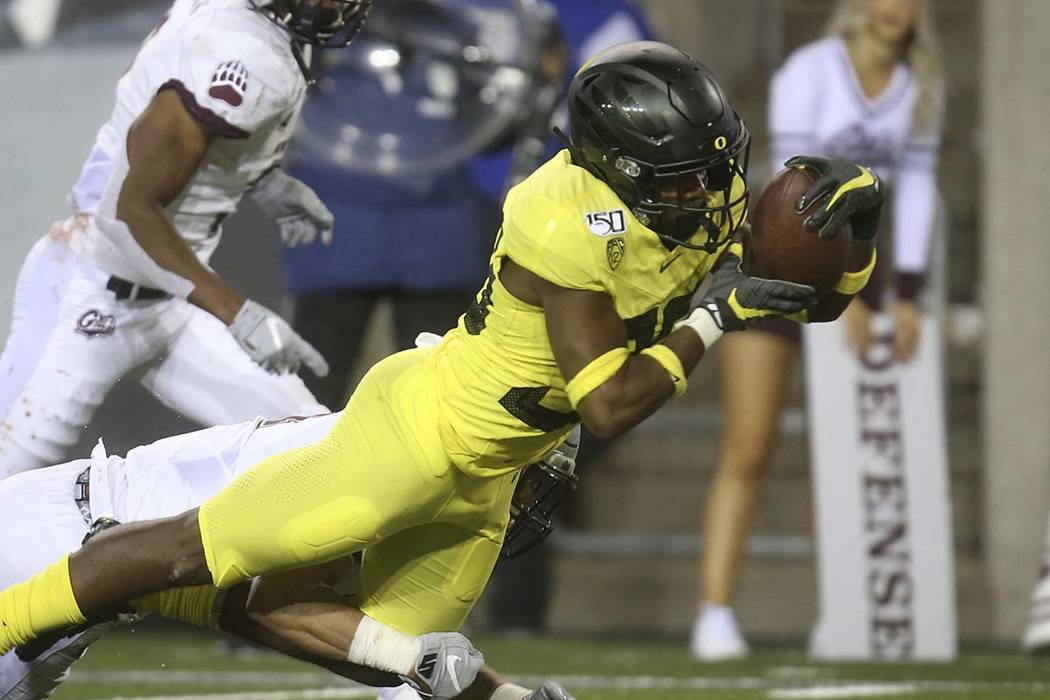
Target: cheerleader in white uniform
(870,91)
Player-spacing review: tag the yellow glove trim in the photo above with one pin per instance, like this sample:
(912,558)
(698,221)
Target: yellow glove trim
(597,372)
(865,179)
(195,605)
(669,360)
(800,316)
(742,312)
(852,282)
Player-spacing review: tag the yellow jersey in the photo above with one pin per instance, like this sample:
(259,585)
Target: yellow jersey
(501,395)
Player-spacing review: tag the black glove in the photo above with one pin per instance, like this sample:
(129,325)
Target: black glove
(736,298)
(850,192)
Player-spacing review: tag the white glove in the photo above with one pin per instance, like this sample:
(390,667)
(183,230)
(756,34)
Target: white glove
(298,212)
(549,691)
(447,665)
(271,342)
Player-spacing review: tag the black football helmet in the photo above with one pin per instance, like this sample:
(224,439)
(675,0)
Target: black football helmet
(326,24)
(540,489)
(653,123)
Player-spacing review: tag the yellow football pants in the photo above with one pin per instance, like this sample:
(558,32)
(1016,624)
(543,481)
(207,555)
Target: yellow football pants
(380,482)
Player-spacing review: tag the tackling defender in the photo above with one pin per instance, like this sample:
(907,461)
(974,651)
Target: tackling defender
(48,512)
(586,315)
(202,117)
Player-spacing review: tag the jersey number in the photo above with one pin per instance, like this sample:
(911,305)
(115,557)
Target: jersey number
(474,318)
(524,404)
(641,329)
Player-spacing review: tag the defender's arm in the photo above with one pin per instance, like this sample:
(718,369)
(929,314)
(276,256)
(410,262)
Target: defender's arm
(165,146)
(299,614)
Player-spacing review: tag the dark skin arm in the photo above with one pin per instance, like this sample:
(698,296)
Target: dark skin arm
(831,307)
(165,147)
(584,325)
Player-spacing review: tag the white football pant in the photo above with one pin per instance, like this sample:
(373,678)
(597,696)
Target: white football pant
(71,340)
(40,520)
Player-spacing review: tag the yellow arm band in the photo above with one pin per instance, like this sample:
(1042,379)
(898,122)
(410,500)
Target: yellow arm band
(596,373)
(670,361)
(196,605)
(852,282)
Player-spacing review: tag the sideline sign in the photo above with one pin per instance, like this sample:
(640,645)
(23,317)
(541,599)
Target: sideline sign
(883,516)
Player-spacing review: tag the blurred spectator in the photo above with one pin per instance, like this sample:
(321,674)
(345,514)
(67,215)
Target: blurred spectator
(871,92)
(384,141)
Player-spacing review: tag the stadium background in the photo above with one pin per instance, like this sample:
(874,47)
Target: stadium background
(995,156)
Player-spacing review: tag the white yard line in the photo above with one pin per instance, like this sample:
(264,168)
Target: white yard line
(821,692)
(307,694)
(174,677)
(324,689)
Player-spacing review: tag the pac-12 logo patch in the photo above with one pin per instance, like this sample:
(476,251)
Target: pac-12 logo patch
(94,323)
(229,83)
(614,252)
(607,223)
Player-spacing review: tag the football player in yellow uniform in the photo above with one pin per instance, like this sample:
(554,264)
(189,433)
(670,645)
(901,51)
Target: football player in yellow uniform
(587,315)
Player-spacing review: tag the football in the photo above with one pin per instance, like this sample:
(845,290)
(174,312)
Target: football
(778,246)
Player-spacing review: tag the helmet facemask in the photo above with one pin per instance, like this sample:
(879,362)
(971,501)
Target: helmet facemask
(695,204)
(537,495)
(322,23)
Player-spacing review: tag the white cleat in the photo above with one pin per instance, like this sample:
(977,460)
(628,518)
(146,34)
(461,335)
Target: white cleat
(716,636)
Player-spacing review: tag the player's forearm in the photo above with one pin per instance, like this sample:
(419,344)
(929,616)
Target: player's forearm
(235,620)
(310,617)
(158,238)
(484,686)
(639,388)
(832,306)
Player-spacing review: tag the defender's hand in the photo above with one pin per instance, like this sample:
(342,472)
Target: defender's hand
(447,665)
(298,212)
(271,342)
(549,691)
(849,192)
(735,298)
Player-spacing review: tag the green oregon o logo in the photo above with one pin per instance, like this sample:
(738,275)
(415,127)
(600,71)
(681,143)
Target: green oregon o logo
(720,142)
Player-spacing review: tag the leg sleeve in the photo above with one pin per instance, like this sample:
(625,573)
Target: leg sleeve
(376,473)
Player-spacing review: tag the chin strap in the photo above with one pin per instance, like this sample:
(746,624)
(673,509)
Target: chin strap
(302,61)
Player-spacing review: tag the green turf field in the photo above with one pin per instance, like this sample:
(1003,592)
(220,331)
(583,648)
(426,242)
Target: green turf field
(154,664)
